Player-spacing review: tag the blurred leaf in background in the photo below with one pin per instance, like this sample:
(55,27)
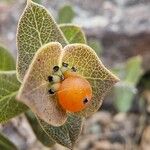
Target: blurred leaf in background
(73,33)
(5,144)
(96,45)
(37,1)
(133,70)
(66,14)
(145,81)
(125,90)
(9,86)
(7,62)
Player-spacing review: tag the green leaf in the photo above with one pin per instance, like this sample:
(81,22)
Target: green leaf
(95,44)
(37,1)
(130,72)
(133,70)
(7,62)
(66,14)
(124,94)
(9,86)
(66,134)
(36,28)
(73,33)
(6,144)
(39,132)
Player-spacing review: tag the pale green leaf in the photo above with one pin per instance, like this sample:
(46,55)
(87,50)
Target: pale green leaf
(66,134)
(89,66)
(36,28)
(6,144)
(130,72)
(37,1)
(66,14)
(124,94)
(9,86)
(35,87)
(7,62)
(133,70)
(95,44)
(39,132)
(73,33)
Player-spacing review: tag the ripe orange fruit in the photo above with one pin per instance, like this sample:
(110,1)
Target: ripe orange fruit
(68,74)
(74,93)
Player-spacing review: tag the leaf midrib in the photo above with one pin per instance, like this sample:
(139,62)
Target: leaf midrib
(37,27)
(9,95)
(72,38)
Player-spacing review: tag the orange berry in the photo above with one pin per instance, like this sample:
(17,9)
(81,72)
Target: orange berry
(74,93)
(69,73)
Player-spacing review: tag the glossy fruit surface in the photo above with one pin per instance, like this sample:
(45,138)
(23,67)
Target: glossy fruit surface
(74,93)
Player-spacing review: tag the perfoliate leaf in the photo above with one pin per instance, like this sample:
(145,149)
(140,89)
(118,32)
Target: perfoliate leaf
(73,33)
(6,144)
(34,90)
(36,28)
(41,135)
(89,66)
(7,62)
(35,87)
(9,86)
(66,14)
(39,132)
(66,134)
(26,52)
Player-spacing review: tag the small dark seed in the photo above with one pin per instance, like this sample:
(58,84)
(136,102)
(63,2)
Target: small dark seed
(56,68)
(74,69)
(85,100)
(50,78)
(64,64)
(51,92)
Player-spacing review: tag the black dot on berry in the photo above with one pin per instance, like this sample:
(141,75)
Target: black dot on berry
(85,101)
